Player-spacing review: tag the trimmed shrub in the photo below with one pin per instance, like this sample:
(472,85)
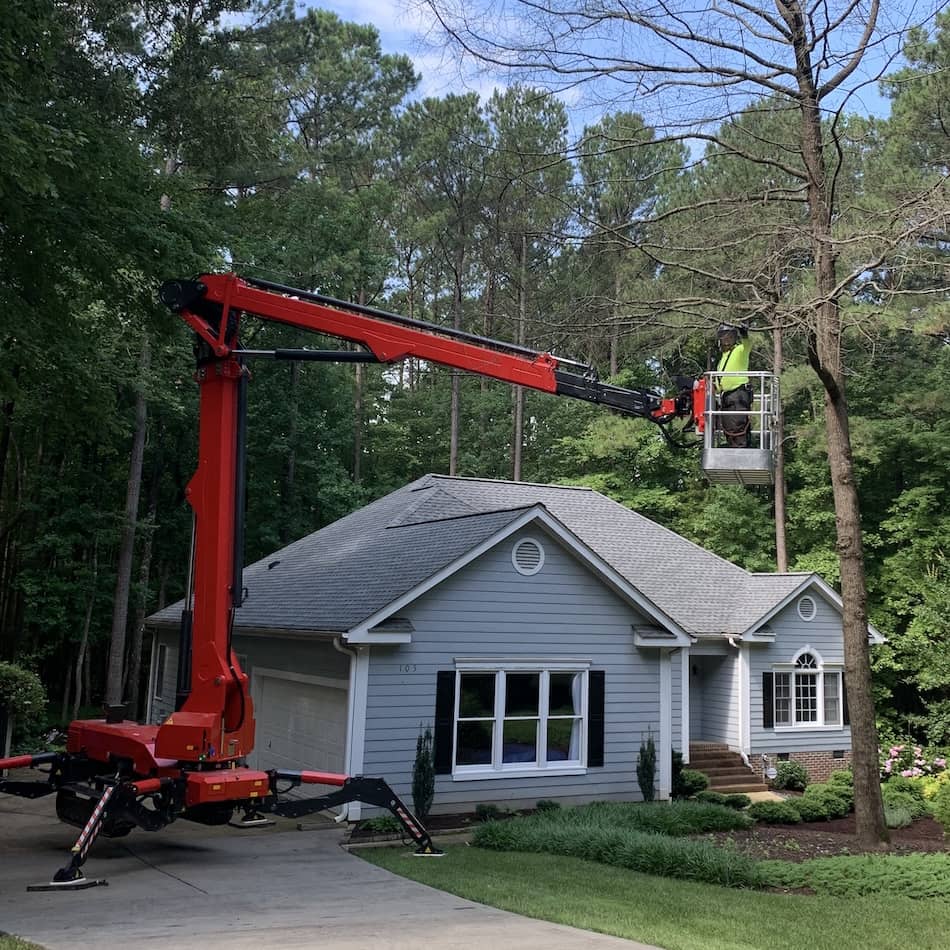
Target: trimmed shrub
(933,783)
(774,813)
(423,775)
(842,777)
(646,769)
(736,801)
(486,812)
(897,817)
(897,798)
(622,847)
(843,792)
(382,825)
(821,803)
(919,876)
(547,804)
(909,786)
(23,696)
(692,782)
(708,797)
(941,807)
(791,775)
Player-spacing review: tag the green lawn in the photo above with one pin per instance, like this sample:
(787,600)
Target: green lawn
(676,915)
(15,943)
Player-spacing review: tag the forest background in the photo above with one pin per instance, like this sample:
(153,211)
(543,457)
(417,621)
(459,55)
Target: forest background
(141,141)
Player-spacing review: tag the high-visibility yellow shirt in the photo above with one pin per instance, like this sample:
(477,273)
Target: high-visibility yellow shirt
(734,361)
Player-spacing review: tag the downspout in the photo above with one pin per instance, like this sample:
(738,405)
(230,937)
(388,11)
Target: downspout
(350,713)
(743,752)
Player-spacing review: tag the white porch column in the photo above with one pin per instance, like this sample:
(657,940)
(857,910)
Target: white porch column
(666,725)
(684,715)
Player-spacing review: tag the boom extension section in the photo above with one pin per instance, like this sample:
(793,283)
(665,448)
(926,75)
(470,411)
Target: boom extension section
(390,337)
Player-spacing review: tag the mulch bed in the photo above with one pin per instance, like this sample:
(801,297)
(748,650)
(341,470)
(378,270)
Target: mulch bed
(825,839)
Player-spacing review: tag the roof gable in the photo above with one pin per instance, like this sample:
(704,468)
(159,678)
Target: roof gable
(536,516)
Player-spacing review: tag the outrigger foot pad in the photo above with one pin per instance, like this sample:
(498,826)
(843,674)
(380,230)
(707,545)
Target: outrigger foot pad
(79,884)
(256,821)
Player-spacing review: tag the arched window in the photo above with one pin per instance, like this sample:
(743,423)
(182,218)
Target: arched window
(807,694)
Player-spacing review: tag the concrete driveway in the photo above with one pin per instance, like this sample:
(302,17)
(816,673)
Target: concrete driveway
(195,887)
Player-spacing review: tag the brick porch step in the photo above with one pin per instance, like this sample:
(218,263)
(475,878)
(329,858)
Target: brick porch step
(726,771)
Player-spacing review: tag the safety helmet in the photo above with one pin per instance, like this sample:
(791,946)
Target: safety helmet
(725,329)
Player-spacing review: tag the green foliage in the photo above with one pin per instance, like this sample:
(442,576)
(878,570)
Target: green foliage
(736,800)
(919,876)
(382,825)
(906,785)
(485,811)
(841,777)
(895,816)
(646,768)
(572,832)
(676,819)
(691,781)
(423,775)
(23,697)
(774,813)
(915,804)
(840,791)
(821,803)
(791,776)
(940,808)
(547,804)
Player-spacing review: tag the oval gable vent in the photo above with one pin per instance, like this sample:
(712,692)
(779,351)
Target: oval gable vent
(807,608)
(527,556)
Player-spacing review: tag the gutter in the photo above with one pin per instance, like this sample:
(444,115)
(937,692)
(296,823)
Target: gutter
(344,814)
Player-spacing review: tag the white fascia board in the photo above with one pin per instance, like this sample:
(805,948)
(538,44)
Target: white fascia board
(536,515)
(828,593)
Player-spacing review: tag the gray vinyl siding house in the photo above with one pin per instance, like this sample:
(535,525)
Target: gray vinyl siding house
(542,632)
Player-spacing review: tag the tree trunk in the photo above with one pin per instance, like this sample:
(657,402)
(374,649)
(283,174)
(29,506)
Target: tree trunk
(456,375)
(358,413)
(134,672)
(778,450)
(123,581)
(517,438)
(826,360)
(288,529)
(615,323)
(81,685)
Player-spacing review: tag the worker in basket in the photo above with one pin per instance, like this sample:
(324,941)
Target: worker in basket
(735,392)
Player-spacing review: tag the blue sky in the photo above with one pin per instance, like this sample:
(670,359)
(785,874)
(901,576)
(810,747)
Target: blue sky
(406,27)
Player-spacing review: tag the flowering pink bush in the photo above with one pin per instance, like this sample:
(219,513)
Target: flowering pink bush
(910,761)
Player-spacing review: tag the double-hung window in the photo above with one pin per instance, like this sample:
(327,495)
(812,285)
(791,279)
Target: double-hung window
(520,718)
(807,694)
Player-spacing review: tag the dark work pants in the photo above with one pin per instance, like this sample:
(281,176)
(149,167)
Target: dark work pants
(736,428)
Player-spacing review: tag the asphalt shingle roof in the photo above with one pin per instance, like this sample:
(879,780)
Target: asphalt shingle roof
(339,576)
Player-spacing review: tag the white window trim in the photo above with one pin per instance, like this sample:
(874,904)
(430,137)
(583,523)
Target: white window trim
(158,685)
(498,769)
(819,670)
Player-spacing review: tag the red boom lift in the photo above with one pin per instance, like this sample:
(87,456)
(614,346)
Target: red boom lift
(116,774)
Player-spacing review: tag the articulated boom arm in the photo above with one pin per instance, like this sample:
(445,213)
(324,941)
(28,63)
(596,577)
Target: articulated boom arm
(391,337)
(117,774)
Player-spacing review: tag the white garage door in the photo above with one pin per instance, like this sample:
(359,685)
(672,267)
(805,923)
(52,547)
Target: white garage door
(301,722)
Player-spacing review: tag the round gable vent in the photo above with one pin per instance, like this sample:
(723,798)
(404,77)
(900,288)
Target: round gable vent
(527,556)
(807,608)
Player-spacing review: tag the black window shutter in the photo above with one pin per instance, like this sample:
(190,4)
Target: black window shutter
(444,722)
(844,702)
(768,700)
(595,719)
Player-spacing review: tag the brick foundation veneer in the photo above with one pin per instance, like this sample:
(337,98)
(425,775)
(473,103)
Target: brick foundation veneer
(820,765)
